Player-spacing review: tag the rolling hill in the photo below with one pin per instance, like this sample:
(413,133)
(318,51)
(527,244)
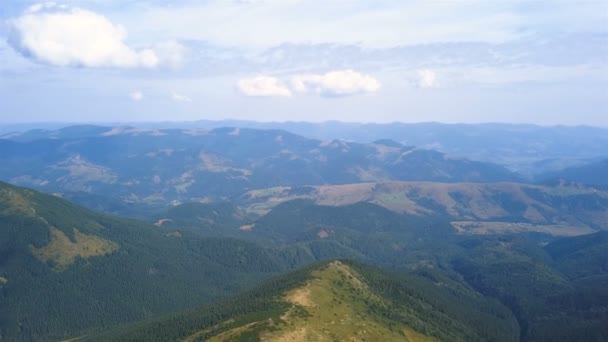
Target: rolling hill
(472,208)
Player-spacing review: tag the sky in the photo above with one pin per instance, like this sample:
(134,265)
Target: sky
(541,62)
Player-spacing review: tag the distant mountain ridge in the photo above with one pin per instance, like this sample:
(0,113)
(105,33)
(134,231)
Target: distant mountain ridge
(151,168)
(529,149)
(595,173)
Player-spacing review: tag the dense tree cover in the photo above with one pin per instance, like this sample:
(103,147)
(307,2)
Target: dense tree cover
(482,287)
(152,272)
(447,316)
(557,293)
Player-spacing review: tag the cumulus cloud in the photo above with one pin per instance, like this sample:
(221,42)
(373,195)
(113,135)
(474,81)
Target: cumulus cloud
(263,86)
(180,98)
(65,36)
(136,95)
(427,79)
(336,83)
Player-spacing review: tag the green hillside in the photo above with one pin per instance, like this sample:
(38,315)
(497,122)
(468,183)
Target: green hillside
(66,271)
(335,300)
(64,268)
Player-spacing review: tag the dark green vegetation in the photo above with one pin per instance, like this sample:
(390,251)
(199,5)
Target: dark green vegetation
(139,172)
(67,271)
(391,303)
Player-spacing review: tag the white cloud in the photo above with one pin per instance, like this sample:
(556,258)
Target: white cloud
(427,79)
(136,95)
(63,36)
(170,53)
(336,83)
(180,98)
(263,86)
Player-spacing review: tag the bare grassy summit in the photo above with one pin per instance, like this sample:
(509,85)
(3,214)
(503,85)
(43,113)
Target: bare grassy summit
(332,306)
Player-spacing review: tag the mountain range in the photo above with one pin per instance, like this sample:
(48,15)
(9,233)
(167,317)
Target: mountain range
(133,168)
(528,149)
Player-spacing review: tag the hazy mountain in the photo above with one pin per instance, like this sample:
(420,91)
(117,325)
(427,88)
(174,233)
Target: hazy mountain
(523,147)
(126,167)
(593,174)
(528,149)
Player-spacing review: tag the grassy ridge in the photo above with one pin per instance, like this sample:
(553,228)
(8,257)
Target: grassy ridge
(334,300)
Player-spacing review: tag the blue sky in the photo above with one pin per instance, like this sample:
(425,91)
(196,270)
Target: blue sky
(543,62)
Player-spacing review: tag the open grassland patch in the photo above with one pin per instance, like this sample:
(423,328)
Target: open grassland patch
(344,194)
(176,234)
(332,306)
(216,164)
(61,252)
(481,228)
(12,202)
(540,205)
(414,336)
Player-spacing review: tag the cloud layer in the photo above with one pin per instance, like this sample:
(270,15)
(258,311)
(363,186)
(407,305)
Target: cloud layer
(331,84)
(63,36)
(263,86)
(136,95)
(427,78)
(336,83)
(180,98)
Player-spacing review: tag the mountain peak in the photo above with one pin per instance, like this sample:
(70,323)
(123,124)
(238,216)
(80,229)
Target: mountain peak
(331,305)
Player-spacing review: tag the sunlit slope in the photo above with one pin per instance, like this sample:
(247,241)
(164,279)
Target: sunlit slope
(335,304)
(335,301)
(564,209)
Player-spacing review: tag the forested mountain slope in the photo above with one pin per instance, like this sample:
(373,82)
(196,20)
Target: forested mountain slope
(337,300)
(66,271)
(64,268)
